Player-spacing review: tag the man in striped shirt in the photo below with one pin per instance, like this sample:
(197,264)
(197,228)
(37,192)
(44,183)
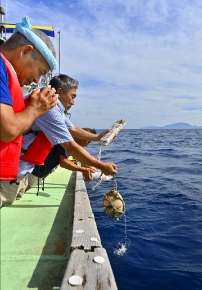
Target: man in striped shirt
(54,125)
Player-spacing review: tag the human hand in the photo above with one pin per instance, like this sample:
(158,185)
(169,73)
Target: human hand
(92,169)
(102,134)
(109,168)
(42,100)
(87,174)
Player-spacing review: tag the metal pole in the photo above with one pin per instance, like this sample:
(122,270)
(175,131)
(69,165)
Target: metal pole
(59,51)
(5,17)
(2,13)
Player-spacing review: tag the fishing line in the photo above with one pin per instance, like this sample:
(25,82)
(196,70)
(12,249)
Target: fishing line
(100,152)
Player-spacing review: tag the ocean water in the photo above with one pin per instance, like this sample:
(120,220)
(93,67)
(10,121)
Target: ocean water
(157,244)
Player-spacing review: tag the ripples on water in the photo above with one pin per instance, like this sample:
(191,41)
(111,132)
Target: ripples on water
(160,178)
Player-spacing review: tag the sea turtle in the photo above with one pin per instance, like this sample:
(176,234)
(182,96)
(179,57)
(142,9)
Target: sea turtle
(113,203)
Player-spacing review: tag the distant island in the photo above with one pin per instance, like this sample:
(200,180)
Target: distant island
(174,126)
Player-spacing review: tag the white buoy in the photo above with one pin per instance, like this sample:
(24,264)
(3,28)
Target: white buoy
(80,231)
(75,280)
(99,259)
(94,239)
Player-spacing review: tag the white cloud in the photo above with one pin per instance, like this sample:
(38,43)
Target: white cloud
(134,59)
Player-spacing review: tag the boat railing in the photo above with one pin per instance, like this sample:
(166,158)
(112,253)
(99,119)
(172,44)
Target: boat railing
(88,263)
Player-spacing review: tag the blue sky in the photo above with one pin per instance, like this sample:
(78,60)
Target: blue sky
(138,60)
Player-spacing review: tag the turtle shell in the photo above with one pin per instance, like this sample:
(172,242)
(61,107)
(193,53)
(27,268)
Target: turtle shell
(113,203)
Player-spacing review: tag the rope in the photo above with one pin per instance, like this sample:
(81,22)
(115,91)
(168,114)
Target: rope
(98,183)
(114,183)
(43,186)
(38,181)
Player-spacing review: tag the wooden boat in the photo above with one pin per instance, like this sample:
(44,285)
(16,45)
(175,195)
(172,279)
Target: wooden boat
(47,239)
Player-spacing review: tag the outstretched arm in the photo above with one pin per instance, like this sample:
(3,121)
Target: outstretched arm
(84,157)
(68,164)
(80,133)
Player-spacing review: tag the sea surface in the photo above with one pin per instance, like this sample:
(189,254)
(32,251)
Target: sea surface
(157,244)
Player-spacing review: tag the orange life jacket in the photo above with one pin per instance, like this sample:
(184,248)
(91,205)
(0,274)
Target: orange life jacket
(38,150)
(10,151)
